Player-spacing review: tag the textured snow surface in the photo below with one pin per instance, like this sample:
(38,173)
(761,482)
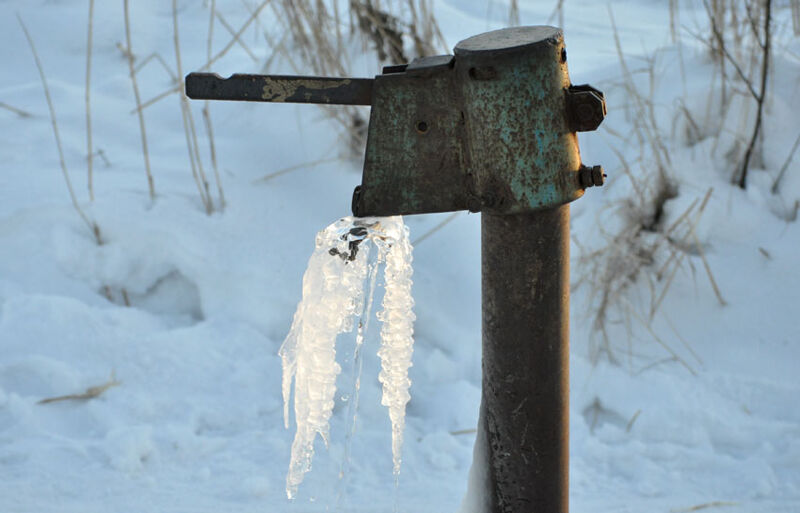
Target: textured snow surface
(196,423)
(338,278)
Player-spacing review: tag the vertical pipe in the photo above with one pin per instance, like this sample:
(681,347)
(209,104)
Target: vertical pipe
(524,418)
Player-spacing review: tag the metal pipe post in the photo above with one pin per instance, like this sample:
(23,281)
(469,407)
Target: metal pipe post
(524,417)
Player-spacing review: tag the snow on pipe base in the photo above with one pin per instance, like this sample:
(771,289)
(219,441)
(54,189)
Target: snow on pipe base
(333,296)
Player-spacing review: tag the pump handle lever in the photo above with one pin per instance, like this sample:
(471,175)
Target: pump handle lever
(280,88)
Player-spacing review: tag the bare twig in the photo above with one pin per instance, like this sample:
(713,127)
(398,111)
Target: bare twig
(796,16)
(207,114)
(150,184)
(289,169)
(632,421)
(210,62)
(435,229)
(19,112)
(708,269)
(89,223)
(706,505)
(90,393)
(232,32)
(724,49)
(513,13)
(157,57)
(188,123)
(89,152)
(785,166)
(463,431)
(761,94)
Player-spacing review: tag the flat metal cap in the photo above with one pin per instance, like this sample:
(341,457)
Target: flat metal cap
(509,39)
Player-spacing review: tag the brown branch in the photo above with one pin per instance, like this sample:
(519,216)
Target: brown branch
(724,49)
(761,96)
(90,393)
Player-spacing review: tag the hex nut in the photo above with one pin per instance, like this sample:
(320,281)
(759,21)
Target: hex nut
(586,108)
(591,176)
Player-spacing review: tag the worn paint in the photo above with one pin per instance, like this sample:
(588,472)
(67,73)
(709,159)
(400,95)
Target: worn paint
(280,90)
(501,139)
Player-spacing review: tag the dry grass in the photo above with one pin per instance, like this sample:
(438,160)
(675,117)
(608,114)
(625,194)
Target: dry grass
(89,393)
(19,112)
(143,131)
(188,124)
(95,230)
(631,273)
(315,30)
(89,151)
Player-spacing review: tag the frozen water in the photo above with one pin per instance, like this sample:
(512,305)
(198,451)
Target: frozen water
(333,296)
(397,342)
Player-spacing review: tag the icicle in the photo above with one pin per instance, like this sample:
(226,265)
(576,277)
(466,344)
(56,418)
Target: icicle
(397,342)
(333,294)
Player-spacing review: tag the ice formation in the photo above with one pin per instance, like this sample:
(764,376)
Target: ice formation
(333,296)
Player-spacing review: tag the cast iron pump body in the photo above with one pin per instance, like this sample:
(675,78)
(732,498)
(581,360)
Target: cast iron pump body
(490,129)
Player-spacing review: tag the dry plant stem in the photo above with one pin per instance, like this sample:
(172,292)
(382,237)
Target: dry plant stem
(160,60)
(213,151)
(706,505)
(89,223)
(90,393)
(683,340)
(188,122)
(463,431)
(210,62)
(632,421)
(207,115)
(765,46)
(513,13)
(682,255)
(702,252)
(150,185)
(796,16)
(89,152)
(740,178)
(658,339)
(19,112)
(289,169)
(435,229)
(232,32)
(785,166)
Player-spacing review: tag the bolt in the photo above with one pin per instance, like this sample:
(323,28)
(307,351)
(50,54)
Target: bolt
(590,176)
(586,106)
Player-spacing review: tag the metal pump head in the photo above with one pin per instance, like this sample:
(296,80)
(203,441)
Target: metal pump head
(490,128)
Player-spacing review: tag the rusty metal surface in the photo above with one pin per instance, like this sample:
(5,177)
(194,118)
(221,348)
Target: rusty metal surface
(521,152)
(491,128)
(279,88)
(524,415)
(413,163)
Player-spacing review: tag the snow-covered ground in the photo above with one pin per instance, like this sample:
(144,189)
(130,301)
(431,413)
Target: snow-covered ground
(195,420)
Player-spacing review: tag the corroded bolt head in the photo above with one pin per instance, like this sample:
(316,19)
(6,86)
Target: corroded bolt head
(586,108)
(590,176)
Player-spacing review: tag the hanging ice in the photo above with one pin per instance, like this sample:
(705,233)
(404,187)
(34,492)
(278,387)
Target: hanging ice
(333,295)
(397,342)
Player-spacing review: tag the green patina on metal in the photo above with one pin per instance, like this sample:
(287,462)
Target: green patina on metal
(498,139)
(491,128)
